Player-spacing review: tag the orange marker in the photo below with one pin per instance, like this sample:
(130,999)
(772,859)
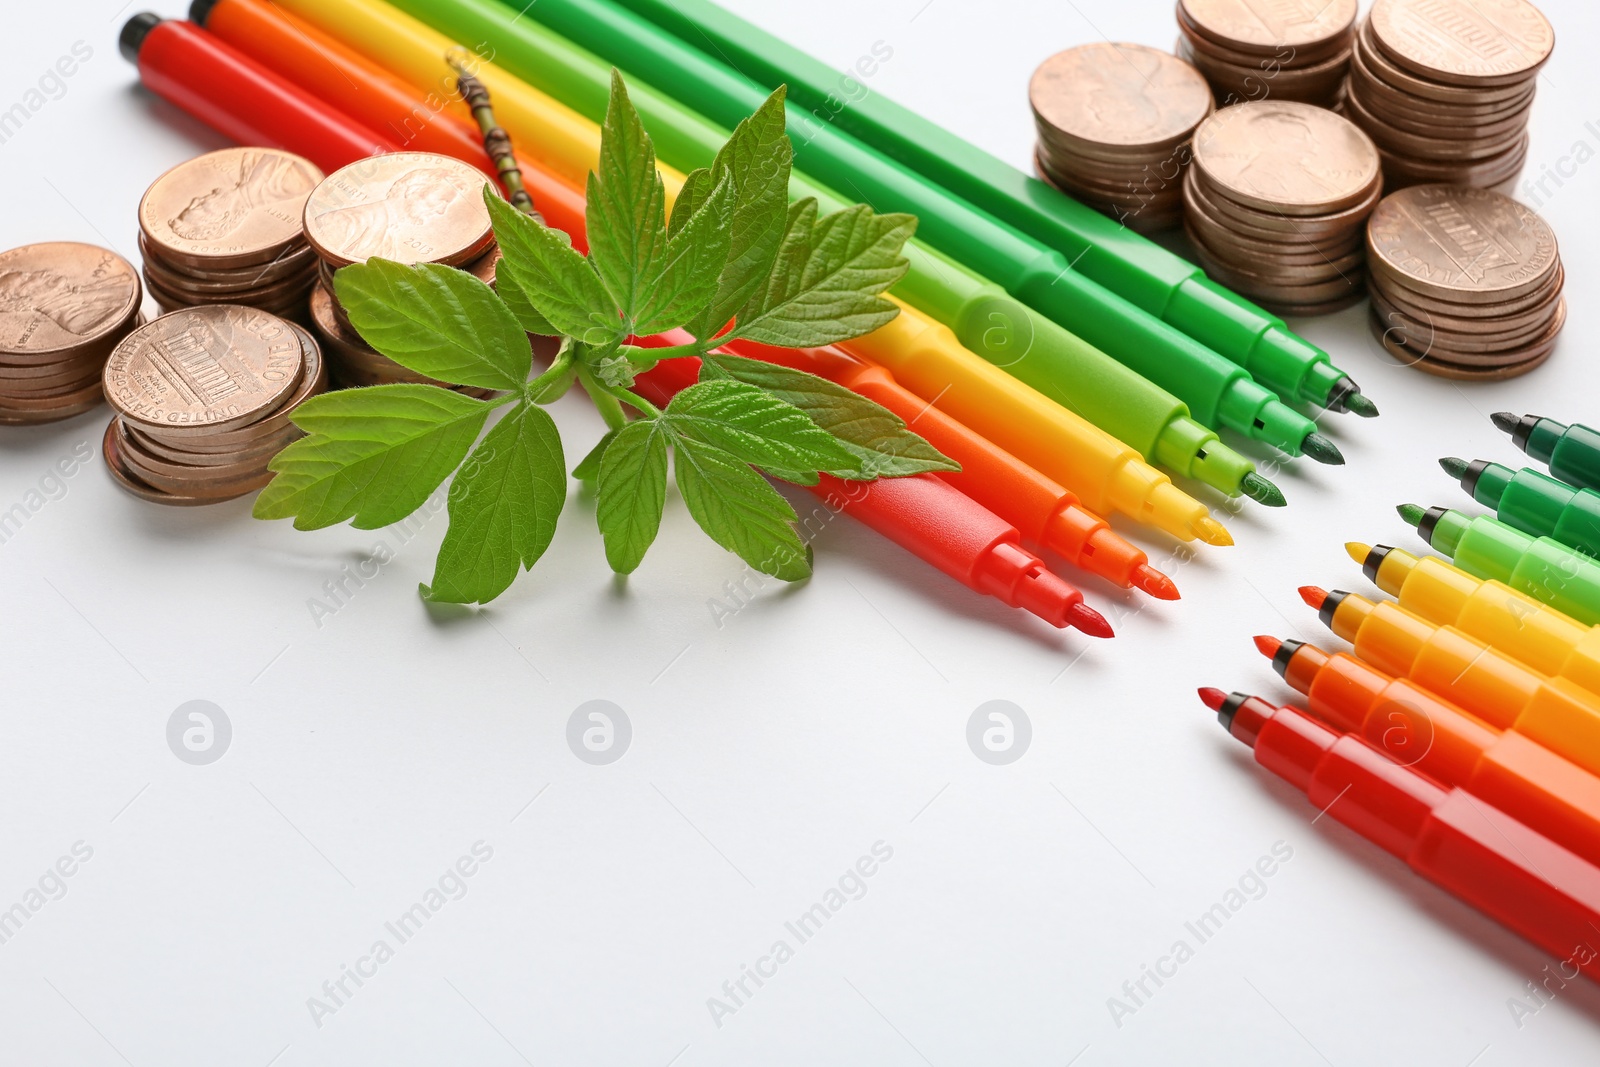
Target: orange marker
(1417,729)
(1563,717)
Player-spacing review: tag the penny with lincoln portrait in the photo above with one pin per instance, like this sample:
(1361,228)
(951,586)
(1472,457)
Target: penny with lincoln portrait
(410,207)
(236,207)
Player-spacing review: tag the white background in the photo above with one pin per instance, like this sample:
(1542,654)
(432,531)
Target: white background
(768,754)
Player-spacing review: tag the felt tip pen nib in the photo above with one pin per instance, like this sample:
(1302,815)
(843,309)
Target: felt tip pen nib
(1504,421)
(1411,514)
(1357,403)
(1262,491)
(1147,579)
(1268,646)
(1212,532)
(1357,551)
(1082,617)
(1313,596)
(1321,449)
(1455,468)
(1212,698)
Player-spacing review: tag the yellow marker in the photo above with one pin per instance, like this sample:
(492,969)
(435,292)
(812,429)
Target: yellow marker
(1537,635)
(567,143)
(924,356)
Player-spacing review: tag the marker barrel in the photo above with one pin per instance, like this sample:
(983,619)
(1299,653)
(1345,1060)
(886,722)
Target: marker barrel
(1543,568)
(1538,504)
(1571,452)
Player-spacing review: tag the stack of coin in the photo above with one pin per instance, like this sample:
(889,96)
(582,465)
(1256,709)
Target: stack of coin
(203,399)
(1445,88)
(63,308)
(1114,125)
(1276,201)
(410,207)
(1466,283)
(1284,50)
(225,228)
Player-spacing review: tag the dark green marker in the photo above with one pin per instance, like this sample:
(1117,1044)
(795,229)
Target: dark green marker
(1532,502)
(1571,452)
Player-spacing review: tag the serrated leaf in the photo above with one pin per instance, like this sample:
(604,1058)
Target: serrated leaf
(739,511)
(437,321)
(588,468)
(503,509)
(633,492)
(372,455)
(627,212)
(756,427)
(878,438)
(824,285)
(556,279)
(521,308)
(695,252)
(757,159)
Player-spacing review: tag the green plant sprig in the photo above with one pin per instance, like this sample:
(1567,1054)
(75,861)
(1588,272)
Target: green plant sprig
(734,261)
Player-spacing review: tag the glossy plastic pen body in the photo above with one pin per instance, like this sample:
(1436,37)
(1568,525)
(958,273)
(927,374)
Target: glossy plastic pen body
(1571,452)
(1467,847)
(1528,631)
(1534,503)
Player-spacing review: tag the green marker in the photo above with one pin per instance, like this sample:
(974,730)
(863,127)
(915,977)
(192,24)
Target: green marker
(1217,392)
(1532,502)
(1571,452)
(1139,270)
(988,321)
(1543,568)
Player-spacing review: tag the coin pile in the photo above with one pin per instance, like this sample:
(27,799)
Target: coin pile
(1444,87)
(410,207)
(203,398)
(1114,124)
(1276,201)
(225,228)
(63,308)
(1285,50)
(1466,283)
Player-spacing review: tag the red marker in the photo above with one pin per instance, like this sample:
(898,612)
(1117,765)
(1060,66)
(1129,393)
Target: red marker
(1458,842)
(929,518)
(240,99)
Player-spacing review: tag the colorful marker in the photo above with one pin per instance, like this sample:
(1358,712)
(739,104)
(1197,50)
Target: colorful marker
(1537,635)
(1217,392)
(1108,476)
(1571,452)
(1048,515)
(965,540)
(1534,503)
(188,67)
(985,318)
(1542,567)
(1464,845)
(1463,670)
(1434,737)
(1134,267)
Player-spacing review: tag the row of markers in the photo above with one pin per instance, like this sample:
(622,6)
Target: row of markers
(1053,440)
(1462,732)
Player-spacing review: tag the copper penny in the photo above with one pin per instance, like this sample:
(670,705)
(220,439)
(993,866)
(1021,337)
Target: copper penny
(1376,61)
(61,297)
(231,208)
(1286,157)
(203,370)
(123,475)
(411,207)
(1464,42)
(1119,94)
(1461,244)
(1264,25)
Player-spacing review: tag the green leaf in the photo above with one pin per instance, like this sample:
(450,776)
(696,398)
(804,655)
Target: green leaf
(588,468)
(633,492)
(877,437)
(757,159)
(373,455)
(739,510)
(695,252)
(756,427)
(504,505)
(437,321)
(627,208)
(521,307)
(824,286)
(555,278)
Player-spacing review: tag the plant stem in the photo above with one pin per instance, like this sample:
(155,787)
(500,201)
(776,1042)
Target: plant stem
(557,378)
(496,141)
(638,403)
(605,401)
(652,356)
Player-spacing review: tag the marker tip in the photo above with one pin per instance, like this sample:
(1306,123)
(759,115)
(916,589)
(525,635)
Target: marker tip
(1212,532)
(1455,468)
(1149,580)
(1082,617)
(1357,551)
(1262,491)
(1411,514)
(1358,404)
(1313,596)
(1504,421)
(1321,449)
(1212,698)
(1268,646)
